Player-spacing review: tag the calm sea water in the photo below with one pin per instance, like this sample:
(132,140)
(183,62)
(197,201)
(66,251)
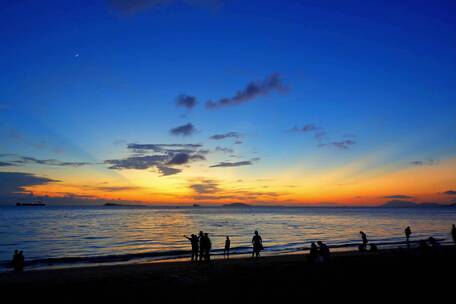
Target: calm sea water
(65,235)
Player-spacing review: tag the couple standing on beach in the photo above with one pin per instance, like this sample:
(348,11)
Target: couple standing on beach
(201,246)
(319,253)
(257,243)
(18,260)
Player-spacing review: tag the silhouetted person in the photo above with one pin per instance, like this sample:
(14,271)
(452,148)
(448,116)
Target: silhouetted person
(18,260)
(194,241)
(373,248)
(323,251)
(361,248)
(14,260)
(423,248)
(407,232)
(226,251)
(433,242)
(453,233)
(423,244)
(313,254)
(201,245)
(207,247)
(257,243)
(365,241)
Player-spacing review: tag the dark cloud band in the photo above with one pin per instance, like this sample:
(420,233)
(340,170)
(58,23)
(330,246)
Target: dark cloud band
(162,157)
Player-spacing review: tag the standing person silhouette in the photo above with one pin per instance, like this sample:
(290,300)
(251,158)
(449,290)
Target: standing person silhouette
(226,251)
(453,233)
(364,239)
(201,245)
(407,232)
(194,241)
(207,247)
(21,260)
(257,243)
(313,254)
(323,252)
(15,259)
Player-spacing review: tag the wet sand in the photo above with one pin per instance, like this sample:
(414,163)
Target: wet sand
(384,274)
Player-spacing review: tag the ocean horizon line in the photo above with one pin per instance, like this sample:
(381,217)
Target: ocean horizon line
(234,205)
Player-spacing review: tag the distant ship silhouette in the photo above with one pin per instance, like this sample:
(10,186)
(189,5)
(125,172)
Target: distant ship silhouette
(40,203)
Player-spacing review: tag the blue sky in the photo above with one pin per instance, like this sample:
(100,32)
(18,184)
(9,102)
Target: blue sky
(82,79)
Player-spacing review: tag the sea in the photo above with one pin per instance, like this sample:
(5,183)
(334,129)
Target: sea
(62,236)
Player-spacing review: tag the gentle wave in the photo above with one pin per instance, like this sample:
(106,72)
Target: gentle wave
(175,254)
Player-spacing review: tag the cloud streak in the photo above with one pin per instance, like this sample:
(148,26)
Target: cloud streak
(321,137)
(163,148)
(235,135)
(235,164)
(6,164)
(49,162)
(137,162)
(112,188)
(184,130)
(250,92)
(343,144)
(186,101)
(428,162)
(306,128)
(398,196)
(224,150)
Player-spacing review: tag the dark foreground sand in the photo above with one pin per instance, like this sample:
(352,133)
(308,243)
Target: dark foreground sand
(387,275)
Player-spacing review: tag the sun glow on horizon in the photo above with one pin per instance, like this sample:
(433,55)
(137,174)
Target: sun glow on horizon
(349,184)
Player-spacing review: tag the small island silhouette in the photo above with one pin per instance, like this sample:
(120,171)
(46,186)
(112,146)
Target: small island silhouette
(120,205)
(237,205)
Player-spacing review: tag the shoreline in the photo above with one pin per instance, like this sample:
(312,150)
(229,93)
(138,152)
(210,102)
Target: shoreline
(287,273)
(184,255)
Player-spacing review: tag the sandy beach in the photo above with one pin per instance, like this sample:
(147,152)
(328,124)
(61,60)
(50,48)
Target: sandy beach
(387,272)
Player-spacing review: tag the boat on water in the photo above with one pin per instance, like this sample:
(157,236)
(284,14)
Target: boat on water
(31,204)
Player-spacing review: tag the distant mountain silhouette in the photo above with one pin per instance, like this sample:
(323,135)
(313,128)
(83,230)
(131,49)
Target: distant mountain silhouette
(236,205)
(399,204)
(431,205)
(408,204)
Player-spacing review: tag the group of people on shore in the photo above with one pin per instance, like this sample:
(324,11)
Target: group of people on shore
(201,246)
(319,251)
(430,242)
